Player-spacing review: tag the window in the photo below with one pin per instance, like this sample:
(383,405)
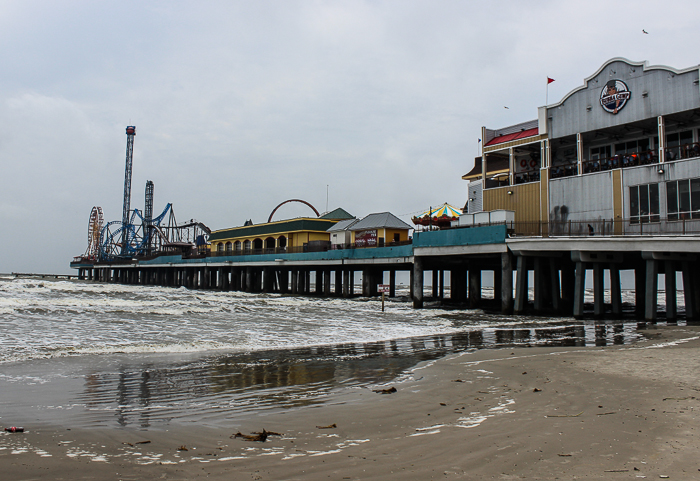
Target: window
(632,147)
(677,144)
(683,199)
(601,152)
(644,203)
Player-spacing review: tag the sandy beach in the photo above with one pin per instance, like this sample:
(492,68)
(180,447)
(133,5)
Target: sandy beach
(619,412)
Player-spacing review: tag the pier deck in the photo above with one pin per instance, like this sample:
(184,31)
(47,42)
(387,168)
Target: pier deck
(559,266)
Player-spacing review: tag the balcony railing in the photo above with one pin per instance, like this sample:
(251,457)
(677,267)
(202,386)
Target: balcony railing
(302,249)
(647,157)
(608,227)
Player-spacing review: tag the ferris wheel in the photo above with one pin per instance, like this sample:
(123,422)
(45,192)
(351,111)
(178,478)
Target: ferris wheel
(94,229)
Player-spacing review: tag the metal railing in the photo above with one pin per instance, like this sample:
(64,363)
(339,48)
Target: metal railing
(302,249)
(646,157)
(607,227)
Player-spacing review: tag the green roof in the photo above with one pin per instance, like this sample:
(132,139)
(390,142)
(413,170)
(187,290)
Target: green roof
(337,214)
(273,228)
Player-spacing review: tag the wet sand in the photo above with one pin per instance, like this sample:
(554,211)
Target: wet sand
(619,412)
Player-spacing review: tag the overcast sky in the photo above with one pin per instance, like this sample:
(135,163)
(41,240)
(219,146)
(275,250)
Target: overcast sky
(242,105)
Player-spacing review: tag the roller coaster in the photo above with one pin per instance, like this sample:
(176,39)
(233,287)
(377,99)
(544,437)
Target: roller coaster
(138,234)
(142,238)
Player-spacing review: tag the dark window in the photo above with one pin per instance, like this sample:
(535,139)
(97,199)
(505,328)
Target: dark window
(683,199)
(601,152)
(644,203)
(678,144)
(672,200)
(634,202)
(684,196)
(654,202)
(695,197)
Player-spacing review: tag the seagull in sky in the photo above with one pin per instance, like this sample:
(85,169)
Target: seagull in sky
(644,31)
(505,107)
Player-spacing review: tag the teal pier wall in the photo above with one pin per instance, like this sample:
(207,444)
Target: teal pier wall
(491,234)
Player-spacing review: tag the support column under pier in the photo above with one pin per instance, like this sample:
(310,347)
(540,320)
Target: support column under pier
(474,287)
(346,283)
(671,295)
(579,289)
(615,290)
(338,283)
(521,293)
(267,283)
(319,281)
(458,285)
(598,290)
(295,281)
(554,284)
(651,289)
(436,283)
(326,282)
(640,276)
(690,288)
(507,283)
(248,279)
(417,282)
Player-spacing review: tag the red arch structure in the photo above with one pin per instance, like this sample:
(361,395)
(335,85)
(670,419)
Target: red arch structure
(269,219)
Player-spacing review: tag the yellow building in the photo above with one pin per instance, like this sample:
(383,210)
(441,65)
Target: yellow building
(293,235)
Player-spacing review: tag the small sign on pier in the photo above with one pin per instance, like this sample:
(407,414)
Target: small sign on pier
(383,288)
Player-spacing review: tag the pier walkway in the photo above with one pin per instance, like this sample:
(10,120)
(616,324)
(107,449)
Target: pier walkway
(559,266)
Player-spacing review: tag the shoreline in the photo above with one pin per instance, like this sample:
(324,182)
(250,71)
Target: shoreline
(615,412)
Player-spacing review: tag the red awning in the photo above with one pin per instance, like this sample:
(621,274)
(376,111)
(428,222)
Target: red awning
(517,135)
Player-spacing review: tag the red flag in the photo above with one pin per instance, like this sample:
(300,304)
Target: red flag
(549,80)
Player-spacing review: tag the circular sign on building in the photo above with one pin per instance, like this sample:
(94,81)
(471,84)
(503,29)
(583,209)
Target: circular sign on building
(614,96)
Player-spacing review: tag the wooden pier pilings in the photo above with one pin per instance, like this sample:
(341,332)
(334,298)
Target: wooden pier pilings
(547,276)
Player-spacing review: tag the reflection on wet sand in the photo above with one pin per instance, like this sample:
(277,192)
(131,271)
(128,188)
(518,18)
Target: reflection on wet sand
(221,388)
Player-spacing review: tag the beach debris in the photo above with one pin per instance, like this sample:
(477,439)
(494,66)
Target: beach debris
(330,426)
(525,372)
(537,390)
(14,429)
(564,455)
(269,433)
(563,415)
(385,391)
(457,380)
(137,442)
(678,398)
(604,414)
(443,404)
(616,470)
(260,437)
(182,448)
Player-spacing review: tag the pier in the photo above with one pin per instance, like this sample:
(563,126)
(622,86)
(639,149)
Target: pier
(559,267)
(603,183)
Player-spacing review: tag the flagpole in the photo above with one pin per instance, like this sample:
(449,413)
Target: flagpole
(546,95)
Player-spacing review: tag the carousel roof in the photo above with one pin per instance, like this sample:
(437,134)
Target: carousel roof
(444,212)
